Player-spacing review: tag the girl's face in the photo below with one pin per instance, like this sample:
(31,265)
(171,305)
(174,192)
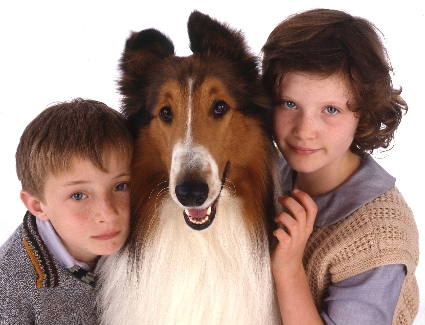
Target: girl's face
(313,126)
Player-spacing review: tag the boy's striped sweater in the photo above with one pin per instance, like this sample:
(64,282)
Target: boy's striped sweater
(35,289)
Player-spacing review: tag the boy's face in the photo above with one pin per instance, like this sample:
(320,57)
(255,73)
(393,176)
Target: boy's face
(88,208)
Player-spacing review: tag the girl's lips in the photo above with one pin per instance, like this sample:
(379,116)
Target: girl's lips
(107,236)
(304,151)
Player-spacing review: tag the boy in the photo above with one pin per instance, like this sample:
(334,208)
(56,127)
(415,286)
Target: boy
(73,161)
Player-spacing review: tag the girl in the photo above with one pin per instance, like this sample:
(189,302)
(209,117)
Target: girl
(348,243)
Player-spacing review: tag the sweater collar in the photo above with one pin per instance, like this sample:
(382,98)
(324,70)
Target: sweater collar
(56,247)
(368,182)
(79,269)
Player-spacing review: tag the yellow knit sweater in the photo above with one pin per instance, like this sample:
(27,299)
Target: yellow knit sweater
(379,233)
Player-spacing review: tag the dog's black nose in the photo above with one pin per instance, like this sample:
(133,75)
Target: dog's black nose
(192,193)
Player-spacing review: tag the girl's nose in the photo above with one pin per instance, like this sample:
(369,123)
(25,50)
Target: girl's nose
(305,125)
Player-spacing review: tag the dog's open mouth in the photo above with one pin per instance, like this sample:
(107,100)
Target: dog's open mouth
(199,219)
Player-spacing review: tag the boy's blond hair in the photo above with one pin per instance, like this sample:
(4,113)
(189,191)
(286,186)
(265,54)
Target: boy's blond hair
(80,128)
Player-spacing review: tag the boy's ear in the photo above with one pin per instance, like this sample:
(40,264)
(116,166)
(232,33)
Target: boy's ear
(33,205)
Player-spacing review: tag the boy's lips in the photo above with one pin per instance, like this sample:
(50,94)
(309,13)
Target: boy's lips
(107,236)
(303,150)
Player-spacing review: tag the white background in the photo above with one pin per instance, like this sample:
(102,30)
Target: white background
(57,50)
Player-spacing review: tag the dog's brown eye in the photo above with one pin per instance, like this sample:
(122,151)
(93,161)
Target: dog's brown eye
(166,114)
(220,108)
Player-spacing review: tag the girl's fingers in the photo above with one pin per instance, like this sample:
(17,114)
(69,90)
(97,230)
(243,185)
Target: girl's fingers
(309,206)
(301,206)
(282,236)
(295,210)
(287,223)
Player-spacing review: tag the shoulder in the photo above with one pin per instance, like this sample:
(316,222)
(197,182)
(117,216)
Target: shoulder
(384,218)
(17,278)
(15,264)
(13,257)
(21,301)
(391,220)
(381,232)
(387,209)
(390,198)
(11,241)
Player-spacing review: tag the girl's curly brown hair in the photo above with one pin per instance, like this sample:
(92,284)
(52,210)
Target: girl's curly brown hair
(329,41)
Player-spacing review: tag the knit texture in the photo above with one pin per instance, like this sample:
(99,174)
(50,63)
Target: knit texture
(39,254)
(381,232)
(35,289)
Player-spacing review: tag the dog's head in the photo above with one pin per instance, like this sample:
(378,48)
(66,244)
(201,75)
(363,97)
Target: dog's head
(202,120)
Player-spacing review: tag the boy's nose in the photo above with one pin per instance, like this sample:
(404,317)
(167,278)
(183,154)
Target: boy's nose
(107,209)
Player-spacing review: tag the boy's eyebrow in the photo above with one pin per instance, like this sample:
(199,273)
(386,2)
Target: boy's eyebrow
(123,175)
(75,183)
(79,182)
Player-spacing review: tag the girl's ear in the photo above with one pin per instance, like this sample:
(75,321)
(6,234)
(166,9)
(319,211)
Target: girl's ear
(33,205)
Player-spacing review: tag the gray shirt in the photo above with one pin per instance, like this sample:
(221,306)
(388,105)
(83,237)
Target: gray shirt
(369,297)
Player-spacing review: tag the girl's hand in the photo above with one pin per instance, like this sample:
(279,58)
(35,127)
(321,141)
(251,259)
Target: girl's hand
(294,230)
(291,281)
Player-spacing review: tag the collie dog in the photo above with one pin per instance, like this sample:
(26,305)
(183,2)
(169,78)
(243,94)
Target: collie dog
(202,184)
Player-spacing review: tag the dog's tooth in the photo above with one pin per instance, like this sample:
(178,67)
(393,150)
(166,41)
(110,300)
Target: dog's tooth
(199,221)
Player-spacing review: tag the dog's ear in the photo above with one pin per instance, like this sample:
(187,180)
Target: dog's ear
(207,35)
(211,37)
(147,44)
(143,51)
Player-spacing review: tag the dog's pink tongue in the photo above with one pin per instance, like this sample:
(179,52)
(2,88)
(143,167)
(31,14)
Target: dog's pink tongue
(196,213)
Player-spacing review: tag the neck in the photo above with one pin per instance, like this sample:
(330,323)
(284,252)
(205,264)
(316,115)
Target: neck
(92,265)
(329,177)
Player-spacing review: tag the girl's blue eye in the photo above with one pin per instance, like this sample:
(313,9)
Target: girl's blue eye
(289,104)
(78,196)
(121,186)
(331,110)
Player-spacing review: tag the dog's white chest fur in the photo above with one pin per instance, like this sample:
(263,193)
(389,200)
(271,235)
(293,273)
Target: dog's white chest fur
(217,276)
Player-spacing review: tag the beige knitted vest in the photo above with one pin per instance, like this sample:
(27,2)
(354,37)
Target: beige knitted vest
(379,233)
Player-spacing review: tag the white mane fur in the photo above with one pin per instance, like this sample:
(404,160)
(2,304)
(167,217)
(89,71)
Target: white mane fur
(218,276)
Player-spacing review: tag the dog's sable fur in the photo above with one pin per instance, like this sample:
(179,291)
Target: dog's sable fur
(202,184)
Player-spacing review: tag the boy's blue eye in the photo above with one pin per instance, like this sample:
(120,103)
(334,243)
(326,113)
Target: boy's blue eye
(289,104)
(121,186)
(331,110)
(78,196)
